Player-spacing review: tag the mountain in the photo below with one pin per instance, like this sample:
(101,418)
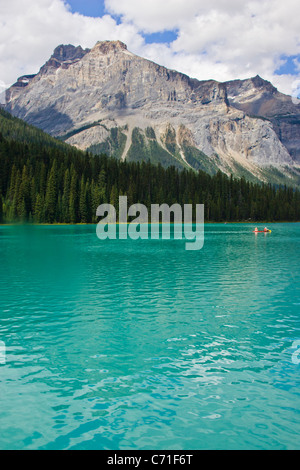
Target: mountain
(44,180)
(257,97)
(16,130)
(107,99)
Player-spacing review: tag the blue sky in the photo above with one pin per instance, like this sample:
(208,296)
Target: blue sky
(92,8)
(219,39)
(289,66)
(96,8)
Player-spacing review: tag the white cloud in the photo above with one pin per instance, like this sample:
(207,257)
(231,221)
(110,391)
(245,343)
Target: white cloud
(297,64)
(30,31)
(157,15)
(220,39)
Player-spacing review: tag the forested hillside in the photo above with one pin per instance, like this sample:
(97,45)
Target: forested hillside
(43,180)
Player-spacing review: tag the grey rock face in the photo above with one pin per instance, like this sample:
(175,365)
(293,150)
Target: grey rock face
(258,97)
(64,56)
(94,97)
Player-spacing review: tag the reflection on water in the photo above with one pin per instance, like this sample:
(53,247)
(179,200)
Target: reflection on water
(140,344)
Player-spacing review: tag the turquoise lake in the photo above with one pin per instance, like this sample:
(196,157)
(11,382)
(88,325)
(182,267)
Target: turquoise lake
(140,344)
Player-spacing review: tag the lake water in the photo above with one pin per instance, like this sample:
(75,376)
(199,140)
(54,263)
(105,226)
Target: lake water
(140,344)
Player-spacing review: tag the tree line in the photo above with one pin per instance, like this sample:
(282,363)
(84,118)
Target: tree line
(60,184)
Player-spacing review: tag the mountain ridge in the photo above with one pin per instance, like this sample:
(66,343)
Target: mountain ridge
(43,180)
(109,99)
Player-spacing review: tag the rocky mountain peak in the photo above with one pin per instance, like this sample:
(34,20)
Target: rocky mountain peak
(107,99)
(106,47)
(259,82)
(64,56)
(68,52)
(256,85)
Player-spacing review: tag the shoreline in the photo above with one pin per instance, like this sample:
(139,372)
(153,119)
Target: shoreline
(56,224)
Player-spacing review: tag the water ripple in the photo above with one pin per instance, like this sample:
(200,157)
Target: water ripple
(125,345)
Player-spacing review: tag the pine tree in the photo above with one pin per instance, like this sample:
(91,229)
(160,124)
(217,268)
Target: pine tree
(83,202)
(88,199)
(66,197)
(13,182)
(23,198)
(73,197)
(1,209)
(114,197)
(51,195)
(95,198)
(102,187)
(22,213)
(38,213)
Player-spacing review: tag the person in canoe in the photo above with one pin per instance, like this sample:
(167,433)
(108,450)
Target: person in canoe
(265,230)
